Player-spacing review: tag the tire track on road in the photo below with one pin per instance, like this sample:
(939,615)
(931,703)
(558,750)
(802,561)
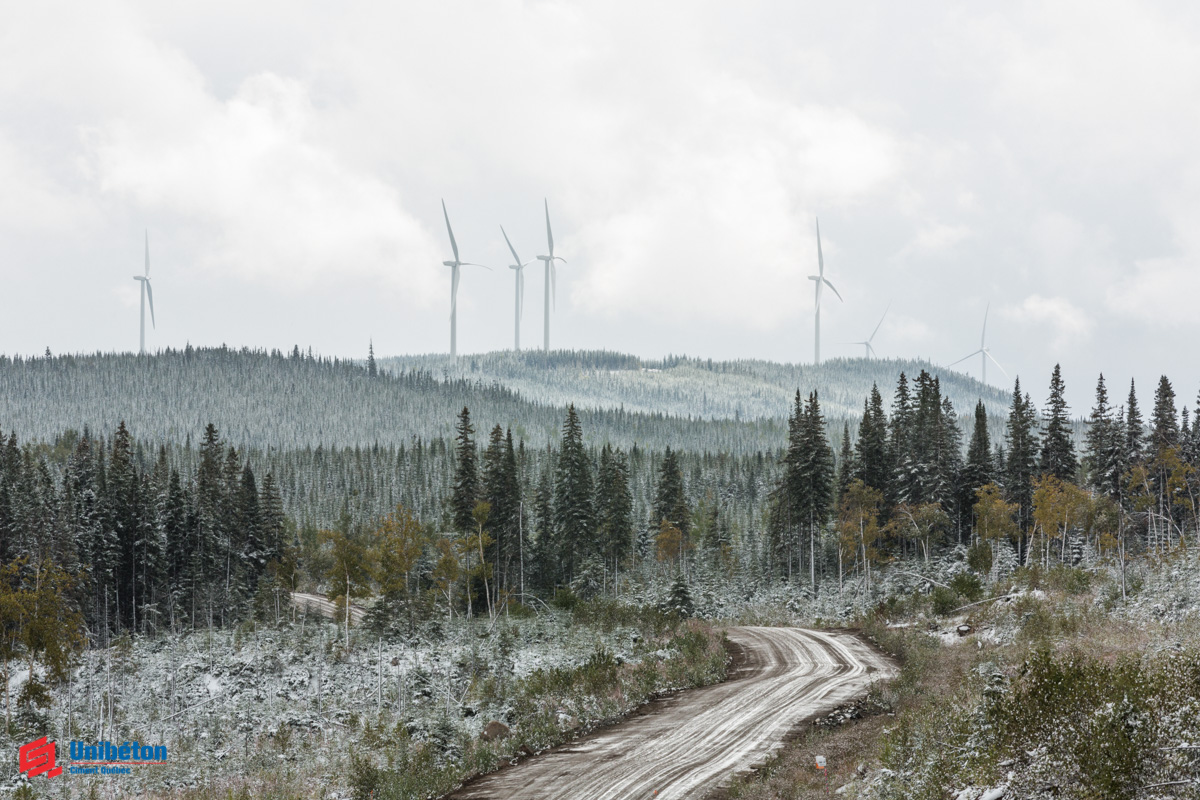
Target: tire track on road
(695,742)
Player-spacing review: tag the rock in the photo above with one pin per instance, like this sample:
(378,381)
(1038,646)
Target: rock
(493,731)
(963,630)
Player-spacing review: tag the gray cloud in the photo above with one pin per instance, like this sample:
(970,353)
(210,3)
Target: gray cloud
(288,160)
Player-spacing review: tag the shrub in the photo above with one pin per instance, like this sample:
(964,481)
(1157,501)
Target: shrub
(944,600)
(968,586)
(979,557)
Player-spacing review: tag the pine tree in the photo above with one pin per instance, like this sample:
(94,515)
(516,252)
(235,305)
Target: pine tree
(573,494)
(1058,449)
(466,476)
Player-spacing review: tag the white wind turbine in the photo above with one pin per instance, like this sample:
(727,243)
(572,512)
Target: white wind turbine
(551,274)
(455,266)
(147,293)
(519,267)
(868,351)
(983,352)
(820,280)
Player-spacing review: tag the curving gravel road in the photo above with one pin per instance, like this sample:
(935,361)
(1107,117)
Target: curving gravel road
(694,742)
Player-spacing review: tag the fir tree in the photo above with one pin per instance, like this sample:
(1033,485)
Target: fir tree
(372,369)
(614,506)
(1058,449)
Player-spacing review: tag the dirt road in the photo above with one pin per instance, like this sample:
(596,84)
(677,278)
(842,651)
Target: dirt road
(692,743)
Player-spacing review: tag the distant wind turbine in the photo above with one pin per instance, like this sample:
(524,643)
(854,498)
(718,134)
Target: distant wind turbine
(983,352)
(519,267)
(454,267)
(820,280)
(551,274)
(147,292)
(869,352)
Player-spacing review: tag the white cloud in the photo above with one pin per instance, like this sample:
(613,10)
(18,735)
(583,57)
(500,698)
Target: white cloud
(1068,323)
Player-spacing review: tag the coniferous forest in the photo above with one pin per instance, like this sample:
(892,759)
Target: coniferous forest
(149,530)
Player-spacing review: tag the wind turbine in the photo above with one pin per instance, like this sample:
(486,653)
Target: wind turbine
(868,351)
(147,292)
(519,267)
(820,280)
(983,352)
(454,267)
(551,274)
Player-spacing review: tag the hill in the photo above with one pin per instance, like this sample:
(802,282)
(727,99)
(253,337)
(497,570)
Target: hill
(263,399)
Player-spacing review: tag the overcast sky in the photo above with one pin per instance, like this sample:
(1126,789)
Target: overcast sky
(288,159)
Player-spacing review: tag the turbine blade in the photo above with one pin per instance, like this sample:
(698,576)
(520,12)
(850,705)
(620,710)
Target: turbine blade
(964,358)
(549,233)
(994,361)
(870,349)
(470,264)
(453,244)
(982,335)
(835,291)
(511,249)
(872,336)
(560,258)
(150,297)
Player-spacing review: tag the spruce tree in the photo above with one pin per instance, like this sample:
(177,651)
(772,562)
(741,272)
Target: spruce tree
(465,493)
(1164,424)
(1058,449)
(372,369)
(573,495)
(845,465)
(670,502)
(614,506)
(1021,460)
(900,457)
(871,449)
(1104,444)
(1134,432)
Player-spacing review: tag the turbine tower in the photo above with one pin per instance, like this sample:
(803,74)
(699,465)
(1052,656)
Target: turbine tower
(983,352)
(147,292)
(551,274)
(519,267)
(820,280)
(454,266)
(868,351)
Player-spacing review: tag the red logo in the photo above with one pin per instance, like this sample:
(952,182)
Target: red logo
(37,758)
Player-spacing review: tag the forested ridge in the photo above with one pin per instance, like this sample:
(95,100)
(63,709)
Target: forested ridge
(271,399)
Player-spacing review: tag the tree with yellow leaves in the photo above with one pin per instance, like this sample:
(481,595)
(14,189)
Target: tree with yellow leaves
(994,519)
(1056,506)
(858,526)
